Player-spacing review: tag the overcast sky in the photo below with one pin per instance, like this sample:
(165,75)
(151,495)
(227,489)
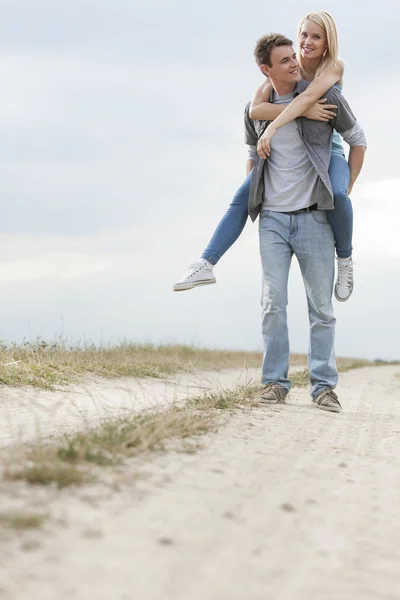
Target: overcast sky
(122,145)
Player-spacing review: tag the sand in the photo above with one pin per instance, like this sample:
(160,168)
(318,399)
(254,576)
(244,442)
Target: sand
(283,503)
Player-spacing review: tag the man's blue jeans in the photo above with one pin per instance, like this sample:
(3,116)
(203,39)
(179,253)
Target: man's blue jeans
(308,236)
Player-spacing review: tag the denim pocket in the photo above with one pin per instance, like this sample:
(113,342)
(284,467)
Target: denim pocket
(320,216)
(264,213)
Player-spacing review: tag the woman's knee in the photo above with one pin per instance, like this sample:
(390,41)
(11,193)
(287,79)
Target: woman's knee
(340,196)
(241,198)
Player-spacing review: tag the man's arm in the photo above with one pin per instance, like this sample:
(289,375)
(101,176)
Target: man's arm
(250,138)
(250,158)
(249,165)
(356,160)
(352,133)
(250,135)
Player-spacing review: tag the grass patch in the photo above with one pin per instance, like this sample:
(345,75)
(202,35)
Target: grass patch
(175,428)
(300,379)
(21,521)
(46,364)
(71,461)
(135,435)
(47,472)
(226,399)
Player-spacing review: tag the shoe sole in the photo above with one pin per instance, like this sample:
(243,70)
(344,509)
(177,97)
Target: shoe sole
(189,286)
(343,299)
(335,409)
(264,401)
(271,403)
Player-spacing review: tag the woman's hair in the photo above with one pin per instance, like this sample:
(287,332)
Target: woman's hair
(327,23)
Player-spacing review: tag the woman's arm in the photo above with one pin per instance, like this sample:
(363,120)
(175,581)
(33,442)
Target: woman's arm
(261,108)
(299,105)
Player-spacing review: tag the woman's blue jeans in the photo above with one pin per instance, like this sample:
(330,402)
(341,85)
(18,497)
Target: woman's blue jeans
(341,218)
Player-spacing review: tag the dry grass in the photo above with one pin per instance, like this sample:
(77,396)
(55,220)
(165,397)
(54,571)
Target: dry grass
(47,364)
(40,468)
(21,520)
(74,460)
(44,365)
(179,428)
(244,395)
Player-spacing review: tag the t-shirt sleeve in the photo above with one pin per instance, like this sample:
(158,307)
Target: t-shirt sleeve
(355,136)
(250,136)
(251,152)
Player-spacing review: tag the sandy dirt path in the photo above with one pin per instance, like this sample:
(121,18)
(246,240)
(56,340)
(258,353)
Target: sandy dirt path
(283,503)
(29,413)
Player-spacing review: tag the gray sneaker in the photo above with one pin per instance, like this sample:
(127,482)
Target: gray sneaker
(345,279)
(273,393)
(327,400)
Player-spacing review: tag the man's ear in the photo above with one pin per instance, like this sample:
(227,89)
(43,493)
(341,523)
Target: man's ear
(265,69)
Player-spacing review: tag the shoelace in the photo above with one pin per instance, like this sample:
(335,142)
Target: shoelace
(194,268)
(275,386)
(331,395)
(345,274)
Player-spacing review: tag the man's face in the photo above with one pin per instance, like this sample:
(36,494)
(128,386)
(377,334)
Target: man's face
(285,66)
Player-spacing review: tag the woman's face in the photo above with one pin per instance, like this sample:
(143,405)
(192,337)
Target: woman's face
(313,41)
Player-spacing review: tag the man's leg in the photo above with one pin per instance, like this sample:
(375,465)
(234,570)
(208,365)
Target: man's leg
(313,244)
(276,255)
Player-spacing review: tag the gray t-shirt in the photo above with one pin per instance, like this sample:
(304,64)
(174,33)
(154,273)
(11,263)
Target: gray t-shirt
(290,179)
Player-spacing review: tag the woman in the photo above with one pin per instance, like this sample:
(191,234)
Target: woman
(319,63)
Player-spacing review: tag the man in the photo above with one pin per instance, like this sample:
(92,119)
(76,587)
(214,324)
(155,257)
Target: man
(291,191)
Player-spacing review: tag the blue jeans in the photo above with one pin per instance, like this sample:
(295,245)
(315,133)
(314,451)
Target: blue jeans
(308,236)
(341,219)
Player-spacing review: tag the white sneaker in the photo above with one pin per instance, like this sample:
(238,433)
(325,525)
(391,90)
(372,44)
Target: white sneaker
(344,281)
(200,273)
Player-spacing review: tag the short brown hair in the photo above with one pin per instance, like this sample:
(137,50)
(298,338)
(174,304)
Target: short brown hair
(265,45)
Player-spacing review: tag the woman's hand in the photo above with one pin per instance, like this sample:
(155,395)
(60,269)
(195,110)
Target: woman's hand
(320,111)
(263,146)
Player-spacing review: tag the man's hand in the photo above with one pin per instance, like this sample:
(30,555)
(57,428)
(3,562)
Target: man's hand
(350,188)
(263,146)
(320,111)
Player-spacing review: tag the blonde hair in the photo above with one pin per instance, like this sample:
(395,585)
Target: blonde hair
(330,57)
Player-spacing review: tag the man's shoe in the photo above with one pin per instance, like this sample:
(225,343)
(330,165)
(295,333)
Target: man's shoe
(273,393)
(344,281)
(327,400)
(200,273)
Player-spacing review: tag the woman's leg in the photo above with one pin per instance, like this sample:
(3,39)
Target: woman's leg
(341,220)
(227,232)
(231,225)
